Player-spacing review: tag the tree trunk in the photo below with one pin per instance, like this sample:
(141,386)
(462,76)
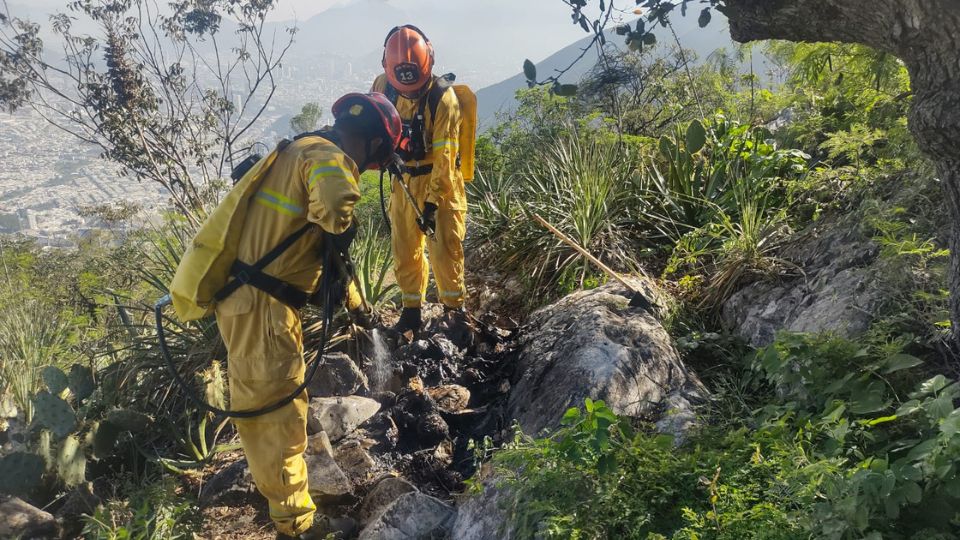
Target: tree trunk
(925,34)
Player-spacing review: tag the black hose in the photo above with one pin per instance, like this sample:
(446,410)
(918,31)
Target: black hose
(383,203)
(326,289)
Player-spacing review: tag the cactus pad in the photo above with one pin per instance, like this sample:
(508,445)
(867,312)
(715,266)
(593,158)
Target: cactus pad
(81,382)
(105,439)
(20,473)
(55,380)
(54,414)
(71,462)
(129,420)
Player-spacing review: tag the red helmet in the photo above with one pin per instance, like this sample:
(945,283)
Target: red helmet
(378,110)
(407,58)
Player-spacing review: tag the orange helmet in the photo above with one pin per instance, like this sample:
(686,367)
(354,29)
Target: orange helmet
(407,58)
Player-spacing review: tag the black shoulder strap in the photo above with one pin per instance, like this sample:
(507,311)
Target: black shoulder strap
(440,86)
(246,274)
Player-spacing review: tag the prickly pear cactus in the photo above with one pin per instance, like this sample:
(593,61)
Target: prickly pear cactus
(81,382)
(55,380)
(20,472)
(129,420)
(71,462)
(54,414)
(105,436)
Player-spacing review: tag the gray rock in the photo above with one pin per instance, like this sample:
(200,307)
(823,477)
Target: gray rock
(411,516)
(21,520)
(840,291)
(339,376)
(339,416)
(354,460)
(481,517)
(325,479)
(593,344)
(233,481)
(381,496)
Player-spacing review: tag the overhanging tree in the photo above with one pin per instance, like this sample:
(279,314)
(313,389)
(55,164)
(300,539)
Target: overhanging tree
(169,91)
(924,34)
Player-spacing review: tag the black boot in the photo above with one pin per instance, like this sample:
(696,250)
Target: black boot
(325,527)
(410,320)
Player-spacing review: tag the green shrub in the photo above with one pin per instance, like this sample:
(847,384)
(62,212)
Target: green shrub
(582,185)
(823,438)
(145,509)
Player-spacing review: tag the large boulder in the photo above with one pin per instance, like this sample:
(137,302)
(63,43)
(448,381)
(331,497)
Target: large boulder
(594,344)
(233,482)
(339,376)
(839,291)
(21,520)
(325,480)
(382,496)
(339,416)
(482,517)
(411,516)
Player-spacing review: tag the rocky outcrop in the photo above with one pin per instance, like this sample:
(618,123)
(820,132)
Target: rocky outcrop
(593,344)
(21,520)
(839,290)
(412,516)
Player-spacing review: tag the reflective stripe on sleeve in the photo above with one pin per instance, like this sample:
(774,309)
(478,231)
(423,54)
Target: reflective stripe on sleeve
(278,202)
(327,169)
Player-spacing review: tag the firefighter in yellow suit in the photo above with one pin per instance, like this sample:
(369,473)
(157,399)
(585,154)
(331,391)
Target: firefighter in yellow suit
(314,179)
(433,177)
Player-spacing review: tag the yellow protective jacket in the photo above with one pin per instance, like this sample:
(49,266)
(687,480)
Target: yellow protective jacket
(310,181)
(445,187)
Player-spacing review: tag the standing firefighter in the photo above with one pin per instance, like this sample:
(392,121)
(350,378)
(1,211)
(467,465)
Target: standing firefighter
(439,131)
(305,191)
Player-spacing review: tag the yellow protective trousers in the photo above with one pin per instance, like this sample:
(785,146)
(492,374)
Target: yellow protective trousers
(312,181)
(445,253)
(264,344)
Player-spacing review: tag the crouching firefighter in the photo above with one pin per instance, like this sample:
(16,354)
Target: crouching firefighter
(429,203)
(255,262)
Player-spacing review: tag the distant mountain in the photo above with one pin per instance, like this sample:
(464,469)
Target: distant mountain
(500,96)
(354,31)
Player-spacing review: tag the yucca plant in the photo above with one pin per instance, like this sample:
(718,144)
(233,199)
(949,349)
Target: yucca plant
(580,184)
(32,337)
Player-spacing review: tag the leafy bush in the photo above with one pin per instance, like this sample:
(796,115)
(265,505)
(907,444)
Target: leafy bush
(828,439)
(146,509)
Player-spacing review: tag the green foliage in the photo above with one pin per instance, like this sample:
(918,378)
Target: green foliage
(374,263)
(579,183)
(822,438)
(145,509)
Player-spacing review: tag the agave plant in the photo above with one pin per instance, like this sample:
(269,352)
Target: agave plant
(373,263)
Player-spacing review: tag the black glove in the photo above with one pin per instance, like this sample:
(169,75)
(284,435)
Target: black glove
(428,220)
(342,241)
